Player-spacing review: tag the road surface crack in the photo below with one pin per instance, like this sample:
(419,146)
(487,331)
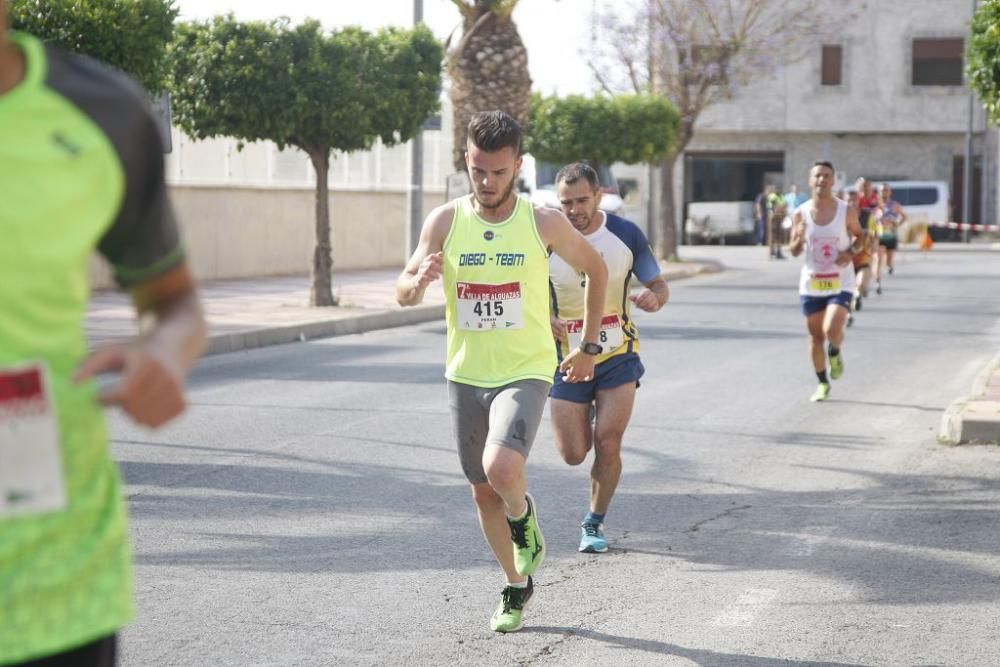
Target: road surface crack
(732,510)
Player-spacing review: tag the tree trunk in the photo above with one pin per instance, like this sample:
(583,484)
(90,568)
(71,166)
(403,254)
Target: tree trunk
(321,293)
(488,68)
(667,245)
(668,242)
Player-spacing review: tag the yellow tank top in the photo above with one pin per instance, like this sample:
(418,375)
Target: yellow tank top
(496,281)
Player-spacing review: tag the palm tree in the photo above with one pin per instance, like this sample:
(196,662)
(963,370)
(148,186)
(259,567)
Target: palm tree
(488,67)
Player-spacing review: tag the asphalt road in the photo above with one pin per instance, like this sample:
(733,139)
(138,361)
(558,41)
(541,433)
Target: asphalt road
(310,510)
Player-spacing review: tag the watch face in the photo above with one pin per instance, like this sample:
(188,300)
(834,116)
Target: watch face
(592,348)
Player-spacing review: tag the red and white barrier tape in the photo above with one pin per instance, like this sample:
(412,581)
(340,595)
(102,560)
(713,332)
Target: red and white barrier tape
(965,225)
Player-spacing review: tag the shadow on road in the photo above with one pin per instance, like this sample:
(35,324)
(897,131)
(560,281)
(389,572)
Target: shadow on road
(697,656)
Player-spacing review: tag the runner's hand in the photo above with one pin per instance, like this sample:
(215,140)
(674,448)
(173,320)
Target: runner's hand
(149,387)
(577,367)
(430,269)
(844,258)
(646,300)
(558,328)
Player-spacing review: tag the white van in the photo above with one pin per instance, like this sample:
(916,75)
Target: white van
(923,201)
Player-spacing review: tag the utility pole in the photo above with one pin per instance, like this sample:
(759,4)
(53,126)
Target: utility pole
(415,193)
(967,162)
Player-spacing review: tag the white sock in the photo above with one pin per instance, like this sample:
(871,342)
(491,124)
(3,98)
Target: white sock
(523,514)
(523,584)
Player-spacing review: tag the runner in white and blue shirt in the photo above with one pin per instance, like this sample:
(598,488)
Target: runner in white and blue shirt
(611,392)
(827,229)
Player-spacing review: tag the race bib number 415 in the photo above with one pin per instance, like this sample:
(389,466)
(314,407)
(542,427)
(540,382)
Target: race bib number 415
(485,307)
(31,471)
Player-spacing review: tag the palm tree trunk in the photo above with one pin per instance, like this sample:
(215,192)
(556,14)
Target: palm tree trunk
(321,293)
(489,70)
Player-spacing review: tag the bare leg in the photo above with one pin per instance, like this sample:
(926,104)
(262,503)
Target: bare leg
(614,409)
(833,324)
(493,520)
(817,338)
(505,472)
(571,428)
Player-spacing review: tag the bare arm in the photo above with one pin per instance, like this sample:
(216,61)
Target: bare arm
(153,367)
(652,298)
(559,235)
(427,262)
(798,237)
(858,238)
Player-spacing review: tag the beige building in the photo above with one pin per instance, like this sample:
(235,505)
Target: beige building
(885,99)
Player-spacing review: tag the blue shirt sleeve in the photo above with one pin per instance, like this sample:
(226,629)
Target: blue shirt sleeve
(644,265)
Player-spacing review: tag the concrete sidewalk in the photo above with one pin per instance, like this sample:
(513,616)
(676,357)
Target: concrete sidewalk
(975,419)
(246,314)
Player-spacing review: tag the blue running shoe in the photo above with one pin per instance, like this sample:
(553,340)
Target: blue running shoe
(592,538)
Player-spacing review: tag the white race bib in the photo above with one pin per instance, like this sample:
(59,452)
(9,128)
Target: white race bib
(485,307)
(611,337)
(31,470)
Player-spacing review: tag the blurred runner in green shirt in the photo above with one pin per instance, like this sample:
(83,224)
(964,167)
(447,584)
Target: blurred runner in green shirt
(81,169)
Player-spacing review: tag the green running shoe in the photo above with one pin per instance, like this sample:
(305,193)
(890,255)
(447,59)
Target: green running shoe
(509,616)
(529,547)
(837,366)
(822,391)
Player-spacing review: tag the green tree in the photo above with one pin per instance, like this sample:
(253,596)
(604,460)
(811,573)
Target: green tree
(300,86)
(983,62)
(601,130)
(131,35)
(488,67)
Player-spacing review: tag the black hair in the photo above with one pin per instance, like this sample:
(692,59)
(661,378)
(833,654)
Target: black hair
(823,163)
(573,172)
(491,131)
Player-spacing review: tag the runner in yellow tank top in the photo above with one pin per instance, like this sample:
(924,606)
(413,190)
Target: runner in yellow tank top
(492,250)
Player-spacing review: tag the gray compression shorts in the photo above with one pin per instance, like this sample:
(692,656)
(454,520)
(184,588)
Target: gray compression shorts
(507,416)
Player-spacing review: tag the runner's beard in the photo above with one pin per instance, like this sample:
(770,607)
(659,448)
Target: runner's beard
(500,202)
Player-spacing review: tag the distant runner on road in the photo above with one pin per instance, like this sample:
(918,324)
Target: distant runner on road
(492,250)
(891,218)
(827,229)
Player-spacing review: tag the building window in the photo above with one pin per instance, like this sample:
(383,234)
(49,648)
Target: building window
(832,65)
(938,62)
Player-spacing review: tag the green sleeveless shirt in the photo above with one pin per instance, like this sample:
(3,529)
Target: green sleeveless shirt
(496,281)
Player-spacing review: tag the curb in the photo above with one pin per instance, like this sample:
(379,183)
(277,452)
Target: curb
(973,419)
(225,343)
(249,340)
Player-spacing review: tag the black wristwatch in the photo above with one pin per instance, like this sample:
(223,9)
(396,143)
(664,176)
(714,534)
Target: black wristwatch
(591,348)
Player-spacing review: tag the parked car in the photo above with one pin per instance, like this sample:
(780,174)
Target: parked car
(720,221)
(538,180)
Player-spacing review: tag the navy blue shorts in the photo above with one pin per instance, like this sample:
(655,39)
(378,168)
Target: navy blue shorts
(608,374)
(816,304)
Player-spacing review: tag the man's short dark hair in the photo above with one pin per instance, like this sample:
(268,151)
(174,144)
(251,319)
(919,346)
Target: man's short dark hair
(573,172)
(492,131)
(824,163)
